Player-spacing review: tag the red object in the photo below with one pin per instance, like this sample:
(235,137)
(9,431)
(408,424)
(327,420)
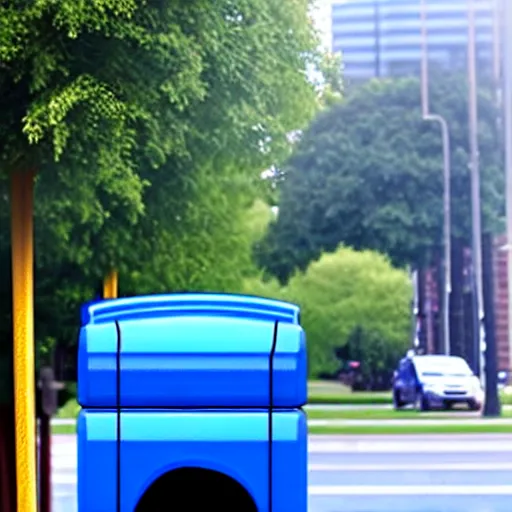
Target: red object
(45,465)
(7,460)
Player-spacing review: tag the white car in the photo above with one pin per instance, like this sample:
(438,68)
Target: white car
(436,381)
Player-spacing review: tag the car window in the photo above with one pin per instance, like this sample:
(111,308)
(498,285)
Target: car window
(442,367)
(408,370)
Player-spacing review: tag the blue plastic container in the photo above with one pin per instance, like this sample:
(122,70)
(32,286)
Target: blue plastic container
(191,351)
(205,382)
(231,442)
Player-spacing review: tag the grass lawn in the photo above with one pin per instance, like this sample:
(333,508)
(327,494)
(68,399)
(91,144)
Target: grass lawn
(321,392)
(390,414)
(63,429)
(324,392)
(69,410)
(484,428)
(377,429)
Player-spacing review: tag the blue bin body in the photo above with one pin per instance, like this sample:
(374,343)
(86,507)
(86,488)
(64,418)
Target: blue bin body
(191,380)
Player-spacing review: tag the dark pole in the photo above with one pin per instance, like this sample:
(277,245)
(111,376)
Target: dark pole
(441,326)
(49,404)
(45,465)
(475,326)
(457,299)
(492,405)
(421,311)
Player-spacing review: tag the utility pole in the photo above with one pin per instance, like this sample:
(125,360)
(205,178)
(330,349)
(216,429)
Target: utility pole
(492,405)
(441,121)
(475,184)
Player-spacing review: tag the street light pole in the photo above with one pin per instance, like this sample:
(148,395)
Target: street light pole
(475,183)
(427,116)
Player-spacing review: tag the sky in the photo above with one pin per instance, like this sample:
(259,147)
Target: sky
(322,19)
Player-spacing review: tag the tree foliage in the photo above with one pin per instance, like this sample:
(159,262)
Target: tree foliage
(344,291)
(148,124)
(368,173)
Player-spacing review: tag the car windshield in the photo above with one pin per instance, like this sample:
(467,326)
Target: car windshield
(445,367)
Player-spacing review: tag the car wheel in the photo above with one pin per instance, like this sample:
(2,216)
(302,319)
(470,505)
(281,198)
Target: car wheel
(397,402)
(474,405)
(422,402)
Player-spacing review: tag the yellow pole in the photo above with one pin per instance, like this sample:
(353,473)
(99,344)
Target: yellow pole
(110,286)
(22,188)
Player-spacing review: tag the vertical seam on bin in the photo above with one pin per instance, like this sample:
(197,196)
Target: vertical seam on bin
(118,418)
(270,414)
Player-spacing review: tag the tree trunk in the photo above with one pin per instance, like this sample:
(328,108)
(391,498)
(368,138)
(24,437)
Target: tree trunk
(457,302)
(429,311)
(439,300)
(469,341)
(471,331)
(421,311)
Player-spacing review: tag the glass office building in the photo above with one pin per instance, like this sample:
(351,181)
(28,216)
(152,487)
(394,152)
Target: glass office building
(383,37)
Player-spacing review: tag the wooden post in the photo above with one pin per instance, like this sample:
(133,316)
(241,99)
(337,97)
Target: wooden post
(110,286)
(22,189)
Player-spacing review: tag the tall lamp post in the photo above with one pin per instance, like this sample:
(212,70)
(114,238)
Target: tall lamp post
(428,116)
(475,185)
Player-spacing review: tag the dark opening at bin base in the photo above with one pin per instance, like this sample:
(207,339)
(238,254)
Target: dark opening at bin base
(196,490)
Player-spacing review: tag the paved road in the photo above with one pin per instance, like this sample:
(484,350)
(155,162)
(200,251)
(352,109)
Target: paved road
(411,474)
(439,473)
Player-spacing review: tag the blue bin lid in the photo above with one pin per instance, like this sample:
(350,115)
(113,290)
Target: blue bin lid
(192,350)
(153,306)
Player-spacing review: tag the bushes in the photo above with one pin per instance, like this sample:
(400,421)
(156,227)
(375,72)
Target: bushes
(378,359)
(348,295)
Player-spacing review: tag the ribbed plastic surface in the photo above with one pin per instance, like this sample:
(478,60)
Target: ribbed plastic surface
(191,350)
(233,442)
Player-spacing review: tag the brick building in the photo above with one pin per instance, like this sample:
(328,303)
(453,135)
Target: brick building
(501,304)
(462,309)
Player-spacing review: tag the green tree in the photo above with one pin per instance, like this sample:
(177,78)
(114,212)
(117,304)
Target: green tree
(139,118)
(208,247)
(130,112)
(368,173)
(343,291)
(331,91)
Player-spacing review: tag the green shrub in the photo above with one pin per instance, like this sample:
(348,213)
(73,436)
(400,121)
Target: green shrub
(344,291)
